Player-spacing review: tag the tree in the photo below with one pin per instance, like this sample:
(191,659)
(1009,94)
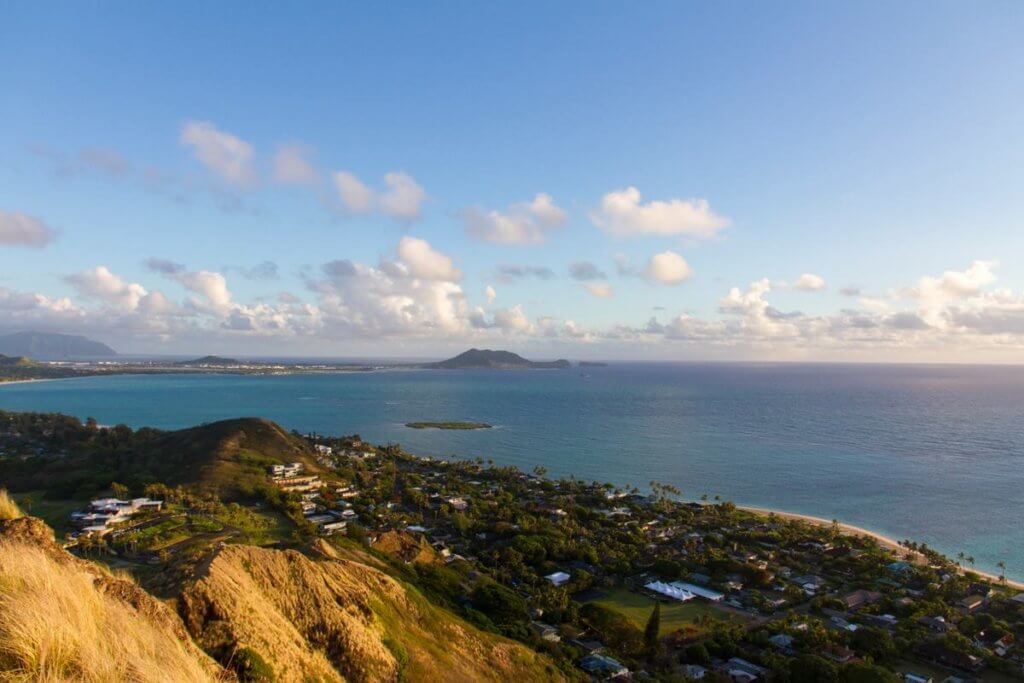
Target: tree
(1002,571)
(813,669)
(863,672)
(119,490)
(873,641)
(653,629)
(698,654)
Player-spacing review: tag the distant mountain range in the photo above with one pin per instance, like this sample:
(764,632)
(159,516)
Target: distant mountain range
(50,345)
(495,360)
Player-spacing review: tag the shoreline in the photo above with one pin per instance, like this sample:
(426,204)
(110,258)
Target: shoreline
(882,540)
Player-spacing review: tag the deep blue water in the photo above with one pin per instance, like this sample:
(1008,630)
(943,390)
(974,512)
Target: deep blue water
(931,453)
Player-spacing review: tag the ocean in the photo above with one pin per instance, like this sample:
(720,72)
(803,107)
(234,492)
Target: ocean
(929,453)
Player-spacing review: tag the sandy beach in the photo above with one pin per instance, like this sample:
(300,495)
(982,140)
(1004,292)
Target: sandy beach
(883,541)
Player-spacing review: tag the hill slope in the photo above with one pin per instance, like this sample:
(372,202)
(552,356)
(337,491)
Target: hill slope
(339,620)
(228,458)
(497,360)
(224,457)
(62,618)
(52,345)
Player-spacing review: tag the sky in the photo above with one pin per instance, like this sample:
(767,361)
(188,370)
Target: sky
(605,180)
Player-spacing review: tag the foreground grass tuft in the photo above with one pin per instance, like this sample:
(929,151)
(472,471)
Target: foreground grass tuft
(56,626)
(8,508)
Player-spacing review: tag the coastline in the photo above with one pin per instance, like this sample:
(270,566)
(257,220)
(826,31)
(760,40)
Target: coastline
(5,383)
(884,541)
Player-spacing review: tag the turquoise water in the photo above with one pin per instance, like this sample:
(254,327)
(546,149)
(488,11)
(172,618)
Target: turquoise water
(935,454)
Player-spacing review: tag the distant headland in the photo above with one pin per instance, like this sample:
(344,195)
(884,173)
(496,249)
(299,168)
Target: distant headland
(495,360)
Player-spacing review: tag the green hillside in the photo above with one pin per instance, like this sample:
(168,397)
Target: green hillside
(228,458)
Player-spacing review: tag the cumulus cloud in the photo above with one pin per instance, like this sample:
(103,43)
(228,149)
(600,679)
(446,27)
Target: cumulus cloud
(584,270)
(425,262)
(512,319)
(624,215)
(809,282)
(224,154)
(355,196)
(525,223)
(602,290)
(21,230)
(668,268)
(100,284)
(403,197)
(293,166)
(210,285)
(490,294)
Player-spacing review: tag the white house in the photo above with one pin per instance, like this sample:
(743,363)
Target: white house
(558,578)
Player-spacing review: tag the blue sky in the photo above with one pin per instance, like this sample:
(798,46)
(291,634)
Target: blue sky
(875,147)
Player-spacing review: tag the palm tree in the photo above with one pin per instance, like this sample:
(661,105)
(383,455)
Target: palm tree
(1002,571)
(970,560)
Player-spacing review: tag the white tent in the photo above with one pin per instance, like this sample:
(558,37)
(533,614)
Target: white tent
(669,591)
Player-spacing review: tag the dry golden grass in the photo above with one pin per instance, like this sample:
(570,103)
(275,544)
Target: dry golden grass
(338,620)
(8,508)
(57,625)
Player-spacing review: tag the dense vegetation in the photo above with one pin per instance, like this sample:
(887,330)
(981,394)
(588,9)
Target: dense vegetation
(803,602)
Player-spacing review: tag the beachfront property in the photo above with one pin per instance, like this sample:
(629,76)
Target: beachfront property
(103,514)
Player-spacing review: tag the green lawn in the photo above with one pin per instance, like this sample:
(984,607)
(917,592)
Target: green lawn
(674,615)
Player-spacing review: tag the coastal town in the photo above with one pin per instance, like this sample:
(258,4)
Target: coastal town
(610,583)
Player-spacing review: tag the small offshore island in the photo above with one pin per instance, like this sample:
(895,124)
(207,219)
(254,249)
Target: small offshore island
(247,529)
(448,425)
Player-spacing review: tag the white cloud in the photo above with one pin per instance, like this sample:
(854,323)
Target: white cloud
(602,290)
(512,320)
(21,230)
(668,268)
(524,223)
(490,294)
(403,197)
(211,285)
(228,156)
(622,214)
(423,261)
(292,166)
(356,197)
(100,284)
(809,282)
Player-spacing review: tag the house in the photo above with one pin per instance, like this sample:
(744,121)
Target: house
(861,598)
(298,483)
(742,671)
(334,527)
(972,603)
(603,665)
(840,655)
(910,677)
(695,672)
(558,578)
(782,641)
(458,503)
(545,631)
(936,624)
(279,471)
